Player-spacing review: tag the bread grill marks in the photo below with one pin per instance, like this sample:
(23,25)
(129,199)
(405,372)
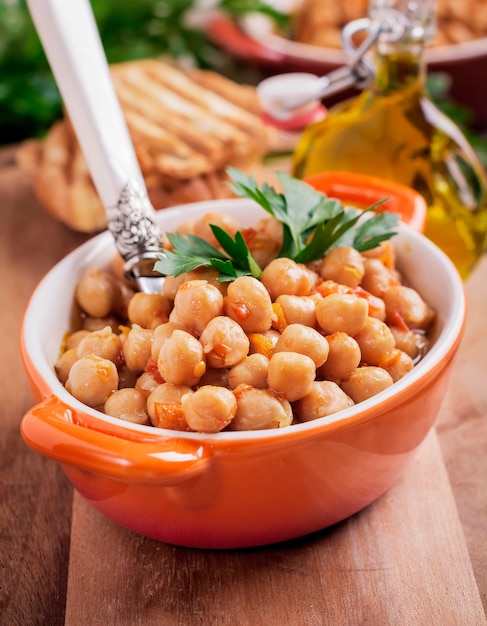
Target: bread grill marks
(186,129)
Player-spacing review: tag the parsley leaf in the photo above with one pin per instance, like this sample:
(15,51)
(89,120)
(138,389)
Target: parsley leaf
(312,225)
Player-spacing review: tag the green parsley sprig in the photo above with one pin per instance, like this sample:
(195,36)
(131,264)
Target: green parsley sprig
(312,225)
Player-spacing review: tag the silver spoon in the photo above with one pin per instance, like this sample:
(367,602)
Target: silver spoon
(72,44)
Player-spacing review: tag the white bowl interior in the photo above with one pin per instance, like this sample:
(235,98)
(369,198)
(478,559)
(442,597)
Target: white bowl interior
(47,317)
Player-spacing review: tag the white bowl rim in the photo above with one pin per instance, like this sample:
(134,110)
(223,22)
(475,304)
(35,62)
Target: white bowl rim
(104,243)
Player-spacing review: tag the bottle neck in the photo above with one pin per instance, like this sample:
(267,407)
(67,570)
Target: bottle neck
(398,69)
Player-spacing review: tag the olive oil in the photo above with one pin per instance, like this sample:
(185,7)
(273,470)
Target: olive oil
(394,130)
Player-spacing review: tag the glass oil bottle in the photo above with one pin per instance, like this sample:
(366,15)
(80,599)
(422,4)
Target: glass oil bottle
(394,130)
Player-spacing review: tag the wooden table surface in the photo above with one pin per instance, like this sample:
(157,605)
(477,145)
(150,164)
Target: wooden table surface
(416,556)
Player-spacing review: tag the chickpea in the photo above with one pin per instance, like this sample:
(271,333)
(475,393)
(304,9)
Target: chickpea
(196,303)
(147,382)
(74,339)
(298,309)
(344,265)
(291,374)
(209,409)
(343,357)
(137,348)
(148,310)
(224,342)
(377,307)
(64,364)
(171,285)
(398,365)
(201,226)
(304,340)
(263,246)
(366,382)
(251,371)
(181,359)
(92,379)
(98,323)
(284,276)
(259,409)
(325,398)
(127,404)
(376,342)
(409,305)
(405,340)
(165,408)
(104,343)
(97,292)
(161,333)
(248,303)
(341,312)
(377,277)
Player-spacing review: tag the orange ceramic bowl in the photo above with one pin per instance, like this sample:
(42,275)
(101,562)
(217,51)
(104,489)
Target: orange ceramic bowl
(235,489)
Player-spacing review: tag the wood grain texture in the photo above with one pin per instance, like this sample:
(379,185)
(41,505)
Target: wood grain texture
(35,496)
(402,561)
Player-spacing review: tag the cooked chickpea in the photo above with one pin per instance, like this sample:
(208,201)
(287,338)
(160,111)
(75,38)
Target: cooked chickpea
(304,340)
(161,333)
(172,283)
(291,374)
(377,307)
(284,276)
(92,379)
(98,323)
(149,310)
(409,305)
(164,406)
(376,342)
(325,398)
(127,404)
(201,226)
(181,359)
(344,265)
(147,382)
(260,409)
(412,343)
(196,303)
(366,382)
(224,342)
(398,365)
(343,357)
(104,343)
(251,371)
(74,338)
(377,277)
(298,309)
(137,348)
(64,364)
(248,303)
(209,409)
(341,312)
(263,246)
(97,292)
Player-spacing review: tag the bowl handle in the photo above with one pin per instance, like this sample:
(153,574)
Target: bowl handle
(52,428)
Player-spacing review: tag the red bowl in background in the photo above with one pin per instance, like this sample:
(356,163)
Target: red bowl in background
(466,63)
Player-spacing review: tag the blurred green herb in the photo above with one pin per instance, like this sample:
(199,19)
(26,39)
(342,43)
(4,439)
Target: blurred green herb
(129,29)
